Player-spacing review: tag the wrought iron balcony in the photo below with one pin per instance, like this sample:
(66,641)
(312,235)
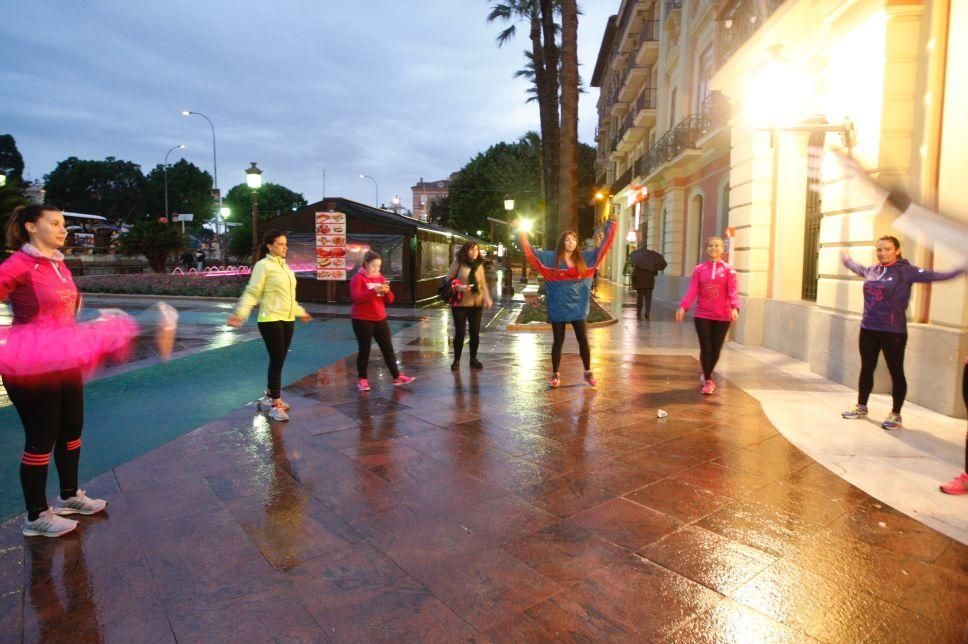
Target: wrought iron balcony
(650,32)
(647,99)
(674,142)
(714,112)
(738,20)
(672,5)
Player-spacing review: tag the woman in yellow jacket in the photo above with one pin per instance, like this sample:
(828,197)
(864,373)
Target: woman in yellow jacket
(273,287)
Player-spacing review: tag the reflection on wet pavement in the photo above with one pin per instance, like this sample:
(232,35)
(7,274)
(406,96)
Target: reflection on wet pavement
(481,505)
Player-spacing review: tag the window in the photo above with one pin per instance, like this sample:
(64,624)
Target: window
(704,71)
(811,222)
(672,108)
(434,259)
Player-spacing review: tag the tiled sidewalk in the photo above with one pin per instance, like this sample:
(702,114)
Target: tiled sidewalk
(481,505)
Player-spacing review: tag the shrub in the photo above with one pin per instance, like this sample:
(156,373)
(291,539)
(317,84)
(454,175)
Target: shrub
(164,284)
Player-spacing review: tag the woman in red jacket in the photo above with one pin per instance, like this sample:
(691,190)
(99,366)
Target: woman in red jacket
(714,284)
(371,293)
(43,359)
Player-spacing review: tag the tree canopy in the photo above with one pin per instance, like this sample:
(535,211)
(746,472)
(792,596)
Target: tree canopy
(189,191)
(479,189)
(11,162)
(112,187)
(274,200)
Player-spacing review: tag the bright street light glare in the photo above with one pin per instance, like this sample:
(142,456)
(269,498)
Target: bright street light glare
(524,225)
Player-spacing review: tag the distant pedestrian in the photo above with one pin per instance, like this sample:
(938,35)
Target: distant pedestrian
(645,264)
(370,293)
(883,326)
(568,275)
(272,287)
(713,286)
(44,357)
(468,307)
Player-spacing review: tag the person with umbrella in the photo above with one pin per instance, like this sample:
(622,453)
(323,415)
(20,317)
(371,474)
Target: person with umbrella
(645,263)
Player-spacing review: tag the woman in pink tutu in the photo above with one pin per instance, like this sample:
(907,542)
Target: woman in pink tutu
(44,357)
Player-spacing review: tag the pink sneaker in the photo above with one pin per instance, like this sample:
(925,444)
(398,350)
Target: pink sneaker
(402,380)
(957,485)
(363,385)
(590,379)
(708,388)
(555,381)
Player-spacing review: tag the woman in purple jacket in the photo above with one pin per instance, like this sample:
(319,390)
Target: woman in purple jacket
(883,327)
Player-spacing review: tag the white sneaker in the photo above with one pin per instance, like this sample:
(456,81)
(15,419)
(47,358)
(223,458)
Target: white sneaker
(278,413)
(48,524)
(264,403)
(80,503)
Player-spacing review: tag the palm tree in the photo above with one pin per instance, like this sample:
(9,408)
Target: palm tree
(568,145)
(544,75)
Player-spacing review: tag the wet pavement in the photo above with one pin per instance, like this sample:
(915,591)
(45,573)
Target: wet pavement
(480,505)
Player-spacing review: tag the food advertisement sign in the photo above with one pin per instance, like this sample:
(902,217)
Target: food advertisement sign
(330,246)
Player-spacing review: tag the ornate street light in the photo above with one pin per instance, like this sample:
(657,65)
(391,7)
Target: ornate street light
(508,288)
(253,178)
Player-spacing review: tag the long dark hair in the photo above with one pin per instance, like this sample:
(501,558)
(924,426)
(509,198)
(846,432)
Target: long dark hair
(17,234)
(462,253)
(576,256)
(270,237)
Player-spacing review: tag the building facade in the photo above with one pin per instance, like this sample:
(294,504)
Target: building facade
(425,193)
(710,116)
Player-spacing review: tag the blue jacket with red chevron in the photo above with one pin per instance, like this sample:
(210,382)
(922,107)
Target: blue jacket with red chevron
(566,292)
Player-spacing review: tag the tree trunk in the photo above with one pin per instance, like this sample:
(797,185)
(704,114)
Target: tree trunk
(568,147)
(549,107)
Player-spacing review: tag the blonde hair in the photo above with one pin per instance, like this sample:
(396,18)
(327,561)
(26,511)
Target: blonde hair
(709,239)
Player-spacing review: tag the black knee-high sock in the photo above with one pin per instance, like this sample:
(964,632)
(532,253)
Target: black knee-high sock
(33,478)
(67,457)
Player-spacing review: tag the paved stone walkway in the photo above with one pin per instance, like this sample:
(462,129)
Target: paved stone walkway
(483,506)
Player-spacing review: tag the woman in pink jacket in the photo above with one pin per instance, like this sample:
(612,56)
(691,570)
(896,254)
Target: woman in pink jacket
(713,285)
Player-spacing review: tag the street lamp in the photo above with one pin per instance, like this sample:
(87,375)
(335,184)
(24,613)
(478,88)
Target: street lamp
(173,148)
(524,225)
(508,288)
(214,155)
(376,203)
(396,204)
(3,179)
(253,178)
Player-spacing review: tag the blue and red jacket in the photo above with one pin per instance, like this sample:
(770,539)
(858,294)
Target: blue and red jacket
(887,292)
(567,293)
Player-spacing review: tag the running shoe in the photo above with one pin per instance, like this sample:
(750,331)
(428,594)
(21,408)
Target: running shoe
(555,381)
(857,411)
(476,364)
(80,503)
(590,379)
(957,485)
(363,385)
(708,388)
(264,403)
(48,524)
(402,380)
(893,421)
(278,413)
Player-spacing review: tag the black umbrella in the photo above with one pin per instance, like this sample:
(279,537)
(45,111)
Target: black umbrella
(644,259)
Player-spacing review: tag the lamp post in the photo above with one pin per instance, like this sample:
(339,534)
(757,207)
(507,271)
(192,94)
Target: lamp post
(173,148)
(3,179)
(396,204)
(524,225)
(508,288)
(253,178)
(214,155)
(376,186)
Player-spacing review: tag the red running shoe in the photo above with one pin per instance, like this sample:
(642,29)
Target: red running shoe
(708,388)
(957,485)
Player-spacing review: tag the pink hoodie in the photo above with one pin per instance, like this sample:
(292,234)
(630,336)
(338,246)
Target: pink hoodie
(715,285)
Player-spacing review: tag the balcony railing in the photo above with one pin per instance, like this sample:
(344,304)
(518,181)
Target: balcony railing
(739,20)
(647,99)
(672,5)
(714,112)
(677,140)
(650,32)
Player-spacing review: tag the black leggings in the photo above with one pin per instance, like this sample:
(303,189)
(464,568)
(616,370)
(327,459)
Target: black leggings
(644,297)
(366,331)
(871,345)
(581,334)
(712,335)
(52,414)
(277,336)
(463,315)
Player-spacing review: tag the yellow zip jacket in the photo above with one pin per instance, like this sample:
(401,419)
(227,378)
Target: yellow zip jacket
(273,287)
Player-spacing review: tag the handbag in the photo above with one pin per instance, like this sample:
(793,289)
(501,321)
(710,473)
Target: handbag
(447,292)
